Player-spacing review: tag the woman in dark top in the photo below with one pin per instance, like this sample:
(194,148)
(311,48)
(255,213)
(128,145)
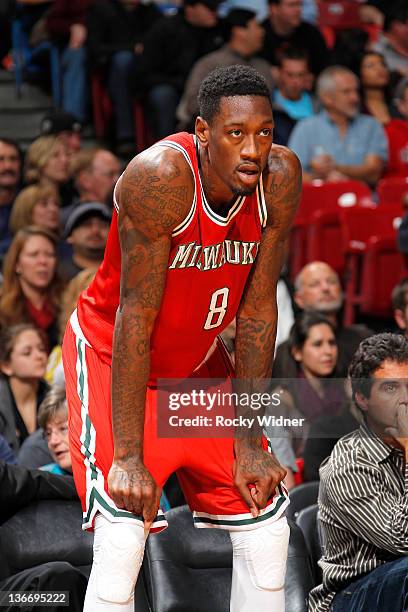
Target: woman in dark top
(314,392)
(375,86)
(23,360)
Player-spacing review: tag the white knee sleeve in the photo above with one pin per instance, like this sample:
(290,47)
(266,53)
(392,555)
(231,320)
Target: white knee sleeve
(118,556)
(259,567)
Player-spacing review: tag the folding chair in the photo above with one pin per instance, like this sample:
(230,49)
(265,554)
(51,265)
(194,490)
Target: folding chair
(392,190)
(316,232)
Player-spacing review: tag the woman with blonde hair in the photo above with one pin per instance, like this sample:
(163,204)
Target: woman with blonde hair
(47,162)
(31,289)
(36,205)
(80,282)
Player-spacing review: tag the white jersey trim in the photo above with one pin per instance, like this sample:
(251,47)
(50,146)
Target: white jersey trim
(189,217)
(77,328)
(263,211)
(115,201)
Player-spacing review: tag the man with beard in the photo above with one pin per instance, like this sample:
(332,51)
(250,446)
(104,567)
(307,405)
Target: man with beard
(86,231)
(339,143)
(318,289)
(10,175)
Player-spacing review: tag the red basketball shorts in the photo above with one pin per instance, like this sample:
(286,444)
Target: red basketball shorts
(203,465)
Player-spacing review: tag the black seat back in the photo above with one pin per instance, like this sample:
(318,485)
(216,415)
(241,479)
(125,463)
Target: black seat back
(302,496)
(189,570)
(308,522)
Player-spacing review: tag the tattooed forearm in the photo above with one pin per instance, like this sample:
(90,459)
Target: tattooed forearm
(155,196)
(257,315)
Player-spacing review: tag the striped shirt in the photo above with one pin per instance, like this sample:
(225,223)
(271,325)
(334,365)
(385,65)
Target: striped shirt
(363,506)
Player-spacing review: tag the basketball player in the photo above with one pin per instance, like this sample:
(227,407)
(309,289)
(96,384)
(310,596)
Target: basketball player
(197,238)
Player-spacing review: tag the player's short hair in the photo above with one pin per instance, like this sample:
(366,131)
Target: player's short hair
(227,82)
(399,295)
(371,354)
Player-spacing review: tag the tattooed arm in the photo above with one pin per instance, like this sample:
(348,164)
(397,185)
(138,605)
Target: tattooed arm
(257,319)
(156,192)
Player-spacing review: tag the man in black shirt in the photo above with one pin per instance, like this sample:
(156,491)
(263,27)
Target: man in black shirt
(116,29)
(171,48)
(284,28)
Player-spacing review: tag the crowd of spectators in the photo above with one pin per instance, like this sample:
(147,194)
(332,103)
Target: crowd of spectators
(342,106)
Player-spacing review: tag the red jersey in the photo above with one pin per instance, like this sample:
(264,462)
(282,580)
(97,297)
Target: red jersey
(209,263)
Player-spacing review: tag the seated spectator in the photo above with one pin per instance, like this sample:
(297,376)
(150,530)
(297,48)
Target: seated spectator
(10,178)
(393,43)
(171,48)
(86,231)
(312,392)
(80,282)
(31,288)
(284,28)
(375,86)
(318,289)
(339,143)
(363,489)
(291,100)
(36,205)
(66,28)
(23,360)
(53,418)
(397,134)
(47,163)
(64,125)
(399,299)
(244,40)
(116,32)
(95,172)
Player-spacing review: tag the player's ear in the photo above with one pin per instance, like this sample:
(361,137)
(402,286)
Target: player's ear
(202,130)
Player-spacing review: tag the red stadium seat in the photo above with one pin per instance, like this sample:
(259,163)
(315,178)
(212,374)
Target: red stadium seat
(392,190)
(316,233)
(373,262)
(344,14)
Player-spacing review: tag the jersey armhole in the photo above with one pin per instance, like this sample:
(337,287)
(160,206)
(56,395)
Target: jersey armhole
(262,210)
(188,218)
(115,201)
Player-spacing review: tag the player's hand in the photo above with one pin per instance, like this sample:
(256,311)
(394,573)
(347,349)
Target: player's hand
(255,466)
(133,488)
